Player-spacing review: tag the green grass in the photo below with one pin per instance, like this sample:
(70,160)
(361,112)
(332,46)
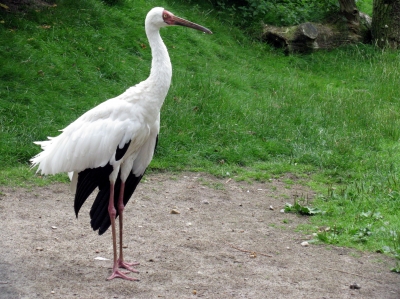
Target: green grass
(365,6)
(236,108)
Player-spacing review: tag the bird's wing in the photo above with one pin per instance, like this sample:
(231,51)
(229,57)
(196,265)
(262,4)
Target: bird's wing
(91,140)
(146,152)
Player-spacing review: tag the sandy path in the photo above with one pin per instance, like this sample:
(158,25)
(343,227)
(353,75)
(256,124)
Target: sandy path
(47,253)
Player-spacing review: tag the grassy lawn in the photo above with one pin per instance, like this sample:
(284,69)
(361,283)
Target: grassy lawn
(236,107)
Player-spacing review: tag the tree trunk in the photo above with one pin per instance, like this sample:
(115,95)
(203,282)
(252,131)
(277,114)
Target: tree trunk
(386,23)
(348,27)
(349,10)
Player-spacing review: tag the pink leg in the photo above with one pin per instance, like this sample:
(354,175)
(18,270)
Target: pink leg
(121,262)
(112,212)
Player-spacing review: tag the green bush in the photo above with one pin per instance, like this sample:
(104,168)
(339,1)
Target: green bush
(276,12)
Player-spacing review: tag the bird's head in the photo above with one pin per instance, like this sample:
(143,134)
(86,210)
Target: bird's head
(161,17)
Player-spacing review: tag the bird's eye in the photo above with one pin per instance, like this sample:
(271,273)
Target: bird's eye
(165,16)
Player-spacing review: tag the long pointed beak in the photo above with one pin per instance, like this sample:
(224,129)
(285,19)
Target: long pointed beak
(182,22)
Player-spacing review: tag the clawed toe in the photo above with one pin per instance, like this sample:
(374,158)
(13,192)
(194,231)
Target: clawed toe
(127,266)
(120,274)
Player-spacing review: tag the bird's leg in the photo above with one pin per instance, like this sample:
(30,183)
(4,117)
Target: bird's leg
(112,212)
(121,207)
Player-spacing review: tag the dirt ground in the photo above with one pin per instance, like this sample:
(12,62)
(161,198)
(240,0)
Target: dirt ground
(225,242)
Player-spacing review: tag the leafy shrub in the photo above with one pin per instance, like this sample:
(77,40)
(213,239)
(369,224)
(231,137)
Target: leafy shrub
(276,12)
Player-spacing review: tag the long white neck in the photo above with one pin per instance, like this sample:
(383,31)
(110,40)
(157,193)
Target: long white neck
(161,68)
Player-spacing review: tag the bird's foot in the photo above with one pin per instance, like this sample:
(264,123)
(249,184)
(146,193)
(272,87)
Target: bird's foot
(128,266)
(119,274)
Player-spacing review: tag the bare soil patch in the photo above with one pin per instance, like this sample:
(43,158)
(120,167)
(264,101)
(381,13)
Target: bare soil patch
(224,243)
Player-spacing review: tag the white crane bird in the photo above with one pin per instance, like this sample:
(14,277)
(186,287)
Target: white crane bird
(111,145)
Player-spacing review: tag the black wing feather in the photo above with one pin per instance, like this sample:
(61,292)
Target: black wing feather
(89,179)
(101,218)
(120,152)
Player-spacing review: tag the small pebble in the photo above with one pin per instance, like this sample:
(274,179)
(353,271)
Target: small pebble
(355,286)
(304,244)
(175,211)
(271,208)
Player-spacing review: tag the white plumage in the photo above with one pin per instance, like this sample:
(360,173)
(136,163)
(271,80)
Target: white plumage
(92,139)
(112,144)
